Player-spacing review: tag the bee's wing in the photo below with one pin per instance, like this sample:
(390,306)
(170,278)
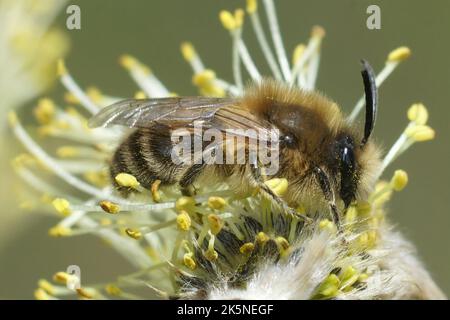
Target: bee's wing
(141,113)
(236,120)
(225,114)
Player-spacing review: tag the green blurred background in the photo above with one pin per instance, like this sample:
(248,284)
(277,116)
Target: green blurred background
(153,30)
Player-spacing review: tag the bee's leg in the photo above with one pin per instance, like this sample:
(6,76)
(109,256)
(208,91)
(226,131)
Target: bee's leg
(256,174)
(328,193)
(187,180)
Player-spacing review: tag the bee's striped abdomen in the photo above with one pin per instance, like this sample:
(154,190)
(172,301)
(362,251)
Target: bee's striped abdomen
(146,154)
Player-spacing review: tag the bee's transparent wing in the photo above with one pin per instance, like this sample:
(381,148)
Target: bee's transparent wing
(141,113)
(245,138)
(224,114)
(235,120)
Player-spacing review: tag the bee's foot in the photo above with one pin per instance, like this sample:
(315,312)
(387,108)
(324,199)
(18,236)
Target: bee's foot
(294,214)
(189,191)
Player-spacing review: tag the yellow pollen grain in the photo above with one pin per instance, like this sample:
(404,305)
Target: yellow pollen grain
(189,262)
(373,237)
(131,63)
(97,178)
(328,225)
(185,203)
(113,290)
(363,277)
(418,113)
(399,54)
(140,95)
(62,206)
(213,90)
(217,203)
(262,238)
(282,243)
(252,6)
(215,223)
(363,207)
(382,197)
(239,15)
(105,222)
(278,185)
(127,61)
(330,286)
(373,222)
(44,111)
(156,195)
(62,124)
(121,222)
(67,152)
(12,118)
(363,240)
(301,209)
(86,293)
(367,239)
(399,180)
(247,248)
(188,51)
(59,231)
(206,82)
(23,159)
(186,246)
(227,19)
(61,68)
(348,276)
(211,255)
(146,70)
(135,234)
(420,133)
(127,180)
(298,52)
(40,294)
(69,97)
(74,112)
(318,31)
(47,130)
(62,277)
(95,94)
(351,215)
(183,221)
(109,207)
(204,78)
(46,286)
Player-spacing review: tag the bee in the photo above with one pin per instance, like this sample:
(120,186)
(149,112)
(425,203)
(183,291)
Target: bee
(328,162)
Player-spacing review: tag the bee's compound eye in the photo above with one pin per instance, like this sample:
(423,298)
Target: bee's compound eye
(348,178)
(288,140)
(348,158)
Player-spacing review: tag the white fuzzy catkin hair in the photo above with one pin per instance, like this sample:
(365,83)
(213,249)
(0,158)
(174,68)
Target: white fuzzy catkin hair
(396,272)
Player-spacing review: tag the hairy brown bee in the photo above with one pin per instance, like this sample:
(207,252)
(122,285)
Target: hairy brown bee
(326,160)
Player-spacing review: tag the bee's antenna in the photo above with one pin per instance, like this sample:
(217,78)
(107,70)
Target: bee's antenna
(371,93)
